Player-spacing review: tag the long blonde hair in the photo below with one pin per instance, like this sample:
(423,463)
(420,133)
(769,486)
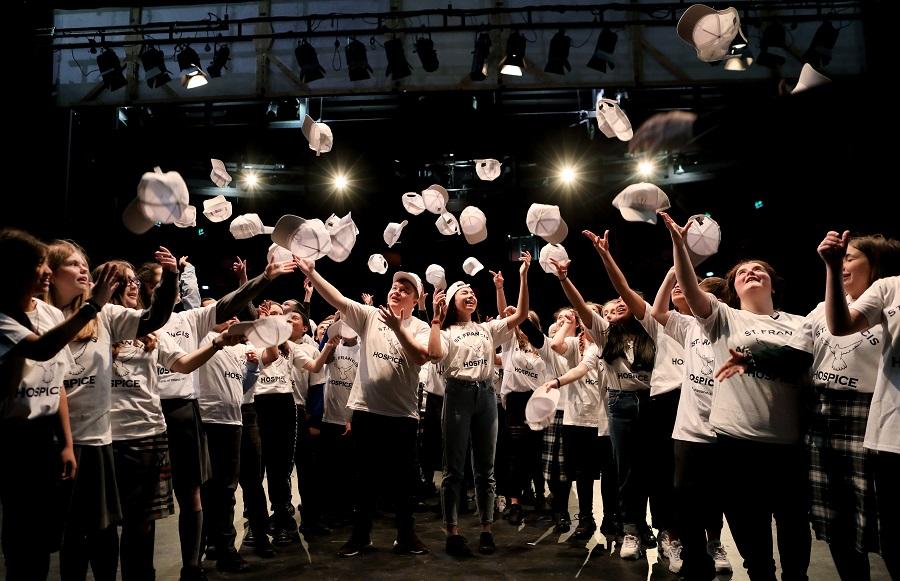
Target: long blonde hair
(58,252)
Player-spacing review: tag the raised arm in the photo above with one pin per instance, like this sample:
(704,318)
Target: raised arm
(435,345)
(326,355)
(193,360)
(558,342)
(164,295)
(232,303)
(696,299)
(187,285)
(522,306)
(841,319)
(327,290)
(631,298)
(575,299)
(566,378)
(501,295)
(660,309)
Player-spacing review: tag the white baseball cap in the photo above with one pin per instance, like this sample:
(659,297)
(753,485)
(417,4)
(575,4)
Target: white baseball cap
(219,175)
(217,209)
(453,288)
(392,232)
(343,232)
(378,264)
(809,78)
(265,331)
(188,218)
(410,277)
(435,198)
(447,224)
(702,238)
(161,197)
(319,135)
(304,238)
(546,221)
(709,31)
(278,254)
(641,202)
(247,226)
(413,203)
(549,251)
(473,224)
(436,276)
(340,328)
(488,169)
(612,121)
(540,409)
(471,266)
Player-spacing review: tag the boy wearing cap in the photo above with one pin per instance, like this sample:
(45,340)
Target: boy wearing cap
(383,400)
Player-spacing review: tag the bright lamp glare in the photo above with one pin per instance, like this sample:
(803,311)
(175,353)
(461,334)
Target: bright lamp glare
(340,182)
(645,168)
(251,180)
(568,175)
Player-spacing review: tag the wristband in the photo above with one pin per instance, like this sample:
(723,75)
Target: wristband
(92,304)
(436,321)
(218,346)
(558,384)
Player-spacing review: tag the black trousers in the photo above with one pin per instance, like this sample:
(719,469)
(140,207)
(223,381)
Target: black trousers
(760,481)
(218,492)
(432,451)
(336,471)
(385,457)
(588,456)
(663,409)
(524,451)
(277,418)
(698,503)
(887,487)
(308,461)
(251,472)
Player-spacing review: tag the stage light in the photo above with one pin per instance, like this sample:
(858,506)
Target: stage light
(397,67)
(568,175)
(221,56)
(479,68)
(514,62)
(646,167)
(357,61)
(310,69)
(558,57)
(154,62)
(603,52)
(739,57)
(250,180)
(111,70)
(192,74)
(427,55)
(340,182)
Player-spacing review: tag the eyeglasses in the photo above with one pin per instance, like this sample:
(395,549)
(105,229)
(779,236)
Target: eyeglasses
(133,281)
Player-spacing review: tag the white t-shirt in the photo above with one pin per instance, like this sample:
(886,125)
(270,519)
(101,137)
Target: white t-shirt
(585,405)
(844,363)
(275,377)
(136,411)
(37,394)
(692,419)
(89,379)
(668,367)
(618,373)
(880,304)
(469,349)
(755,405)
(340,374)
(387,382)
(187,329)
(317,378)
(220,385)
(432,376)
(554,366)
(524,370)
(594,380)
(301,354)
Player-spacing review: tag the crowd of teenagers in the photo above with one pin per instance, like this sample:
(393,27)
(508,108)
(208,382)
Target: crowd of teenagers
(122,391)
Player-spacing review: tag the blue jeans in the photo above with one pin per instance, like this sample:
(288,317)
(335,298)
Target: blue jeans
(629,430)
(470,412)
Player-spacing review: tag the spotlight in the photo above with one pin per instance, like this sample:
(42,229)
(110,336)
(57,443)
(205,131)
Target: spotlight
(427,54)
(154,62)
(111,70)
(514,62)
(479,57)
(357,61)
(340,182)
(397,67)
(646,167)
(819,52)
(603,52)
(558,58)
(772,46)
(568,175)
(250,180)
(739,57)
(221,56)
(192,74)
(310,69)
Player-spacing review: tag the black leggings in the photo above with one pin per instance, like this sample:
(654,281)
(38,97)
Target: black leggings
(277,418)
(588,456)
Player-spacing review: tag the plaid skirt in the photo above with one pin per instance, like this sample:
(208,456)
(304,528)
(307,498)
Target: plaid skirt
(842,486)
(144,477)
(552,457)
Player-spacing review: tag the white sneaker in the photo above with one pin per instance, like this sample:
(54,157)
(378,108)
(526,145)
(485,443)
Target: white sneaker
(631,548)
(501,503)
(717,552)
(673,554)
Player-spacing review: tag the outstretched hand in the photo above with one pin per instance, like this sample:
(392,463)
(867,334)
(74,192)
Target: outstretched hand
(562,267)
(439,302)
(675,230)
(526,262)
(276,269)
(833,248)
(166,259)
(498,278)
(388,317)
(738,363)
(106,284)
(601,244)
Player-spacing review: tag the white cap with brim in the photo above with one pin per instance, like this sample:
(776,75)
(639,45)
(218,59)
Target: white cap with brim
(304,238)
(453,288)
(341,328)
(612,121)
(319,135)
(412,278)
(264,332)
(219,175)
(709,31)
(247,226)
(447,224)
(809,78)
(392,232)
(641,202)
(217,209)
(343,233)
(540,409)
(378,264)
(161,197)
(188,218)
(555,251)
(473,224)
(471,266)
(435,198)
(413,203)
(702,238)
(546,221)
(278,254)
(436,276)
(488,169)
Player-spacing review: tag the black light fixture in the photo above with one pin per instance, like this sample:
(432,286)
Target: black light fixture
(357,61)
(514,62)
(397,67)
(427,55)
(772,46)
(739,57)
(310,69)
(819,52)
(154,62)
(558,58)
(602,59)
(221,56)
(192,74)
(111,69)
(479,57)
